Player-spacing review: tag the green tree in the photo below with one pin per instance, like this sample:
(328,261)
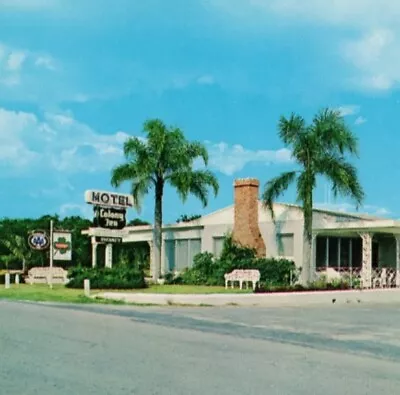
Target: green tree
(321,148)
(165,157)
(18,249)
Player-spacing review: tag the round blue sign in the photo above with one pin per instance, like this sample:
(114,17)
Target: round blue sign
(38,240)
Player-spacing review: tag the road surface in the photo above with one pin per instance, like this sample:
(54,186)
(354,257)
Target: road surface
(63,349)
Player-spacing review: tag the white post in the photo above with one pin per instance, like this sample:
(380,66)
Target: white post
(108,262)
(51,255)
(366,259)
(151,255)
(86,286)
(17,279)
(94,252)
(313,258)
(327,252)
(7,280)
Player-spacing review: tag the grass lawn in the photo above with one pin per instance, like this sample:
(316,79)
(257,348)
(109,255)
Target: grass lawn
(59,293)
(43,293)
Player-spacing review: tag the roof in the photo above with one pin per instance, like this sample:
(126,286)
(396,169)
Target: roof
(200,222)
(377,226)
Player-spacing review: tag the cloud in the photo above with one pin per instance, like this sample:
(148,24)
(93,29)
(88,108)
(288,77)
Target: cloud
(70,209)
(17,67)
(206,80)
(364,34)
(27,5)
(46,62)
(15,60)
(374,56)
(348,110)
(229,159)
(360,13)
(350,208)
(360,120)
(60,144)
(57,142)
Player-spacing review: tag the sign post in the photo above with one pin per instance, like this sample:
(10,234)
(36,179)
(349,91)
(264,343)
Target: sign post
(109,213)
(51,255)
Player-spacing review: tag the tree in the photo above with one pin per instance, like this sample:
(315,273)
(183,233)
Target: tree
(321,148)
(165,157)
(188,218)
(18,248)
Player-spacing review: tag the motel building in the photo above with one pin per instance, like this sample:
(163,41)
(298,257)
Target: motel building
(353,246)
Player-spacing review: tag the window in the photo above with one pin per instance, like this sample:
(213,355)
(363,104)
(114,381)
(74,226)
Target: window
(285,244)
(179,254)
(333,252)
(170,255)
(218,245)
(321,252)
(194,249)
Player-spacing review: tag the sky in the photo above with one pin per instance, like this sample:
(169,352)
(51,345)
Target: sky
(78,77)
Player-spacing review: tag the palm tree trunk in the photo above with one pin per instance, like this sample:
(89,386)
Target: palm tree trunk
(157,234)
(23,265)
(307,237)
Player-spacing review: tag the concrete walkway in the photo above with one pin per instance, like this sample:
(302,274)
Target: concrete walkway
(265,300)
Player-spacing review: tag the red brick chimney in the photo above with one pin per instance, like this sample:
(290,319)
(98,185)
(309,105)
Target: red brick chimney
(246,230)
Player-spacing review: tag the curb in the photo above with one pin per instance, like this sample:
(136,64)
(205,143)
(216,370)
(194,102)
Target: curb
(295,299)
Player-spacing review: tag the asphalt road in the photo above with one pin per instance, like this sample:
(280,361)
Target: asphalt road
(51,349)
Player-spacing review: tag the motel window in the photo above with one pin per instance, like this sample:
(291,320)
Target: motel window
(218,245)
(333,252)
(285,244)
(179,253)
(194,249)
(349,248)
(169,255)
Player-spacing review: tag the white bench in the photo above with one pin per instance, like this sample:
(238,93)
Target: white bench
(41,275)
(242,276)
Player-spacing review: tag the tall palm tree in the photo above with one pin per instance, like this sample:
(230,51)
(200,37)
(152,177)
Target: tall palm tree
(321,148)
(164,157)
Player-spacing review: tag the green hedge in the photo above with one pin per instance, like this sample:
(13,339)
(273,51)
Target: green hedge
(105,278)
(208,270)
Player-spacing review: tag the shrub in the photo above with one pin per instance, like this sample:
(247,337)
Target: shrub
(202,270)
(276,272)
(207,270)
(104,278)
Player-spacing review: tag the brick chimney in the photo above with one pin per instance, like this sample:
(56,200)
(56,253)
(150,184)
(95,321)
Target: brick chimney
(246,230)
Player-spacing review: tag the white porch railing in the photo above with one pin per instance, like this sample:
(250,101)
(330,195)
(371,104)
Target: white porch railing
(357,278)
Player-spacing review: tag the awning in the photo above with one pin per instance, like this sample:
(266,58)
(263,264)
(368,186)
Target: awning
(350,228)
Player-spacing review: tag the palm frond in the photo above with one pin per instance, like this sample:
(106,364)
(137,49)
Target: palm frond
(330,129)
(141,180)
(343,176)
(275,188)
(139,189)
(195,182)
(290,129)
(196,150)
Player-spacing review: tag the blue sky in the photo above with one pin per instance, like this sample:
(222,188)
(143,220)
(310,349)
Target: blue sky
(78,77)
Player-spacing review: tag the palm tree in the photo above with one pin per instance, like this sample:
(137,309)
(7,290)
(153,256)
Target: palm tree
(321,148)
(18,248)
(164,157)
